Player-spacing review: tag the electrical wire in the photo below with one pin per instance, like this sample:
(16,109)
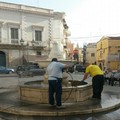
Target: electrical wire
(87,37)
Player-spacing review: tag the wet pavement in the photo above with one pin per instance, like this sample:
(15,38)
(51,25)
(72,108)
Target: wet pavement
(92,109)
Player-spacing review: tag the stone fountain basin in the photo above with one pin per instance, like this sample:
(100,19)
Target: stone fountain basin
(37,92)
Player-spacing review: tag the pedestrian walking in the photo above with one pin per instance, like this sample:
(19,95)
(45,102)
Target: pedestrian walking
(97,79)
(54,72)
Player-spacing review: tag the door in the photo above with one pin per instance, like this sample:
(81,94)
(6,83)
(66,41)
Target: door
(2,59)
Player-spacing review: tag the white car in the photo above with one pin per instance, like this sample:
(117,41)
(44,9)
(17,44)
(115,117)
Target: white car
(6,70)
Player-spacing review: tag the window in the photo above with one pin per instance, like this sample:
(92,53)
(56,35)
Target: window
(14,35)
(92,54)
(38,35)
(39,53)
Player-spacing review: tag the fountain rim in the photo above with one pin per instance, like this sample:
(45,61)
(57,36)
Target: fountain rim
(46,87)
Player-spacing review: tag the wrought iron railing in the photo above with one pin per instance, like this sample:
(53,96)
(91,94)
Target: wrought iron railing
(14,41)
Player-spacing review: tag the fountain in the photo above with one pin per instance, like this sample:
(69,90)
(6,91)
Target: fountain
(56,51)
(37,91)
(35,95)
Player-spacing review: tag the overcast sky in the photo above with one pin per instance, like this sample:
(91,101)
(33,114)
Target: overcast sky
(88,20)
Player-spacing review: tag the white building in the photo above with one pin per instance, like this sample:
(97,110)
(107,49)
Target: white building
(26,33)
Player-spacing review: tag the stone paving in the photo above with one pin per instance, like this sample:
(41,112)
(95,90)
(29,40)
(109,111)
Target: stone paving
(10,103)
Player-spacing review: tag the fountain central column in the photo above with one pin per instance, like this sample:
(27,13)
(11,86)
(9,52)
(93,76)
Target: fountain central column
(56,51)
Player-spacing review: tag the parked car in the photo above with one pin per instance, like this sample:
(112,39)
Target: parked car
(6,70)
(80,68)
(29,70)
(70,69)
(76,67)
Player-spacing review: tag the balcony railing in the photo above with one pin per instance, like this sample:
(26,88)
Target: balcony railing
(14,41)
(40,43)
(114,57)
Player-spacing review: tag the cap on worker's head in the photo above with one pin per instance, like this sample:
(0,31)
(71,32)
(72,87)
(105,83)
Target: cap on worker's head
(54,59)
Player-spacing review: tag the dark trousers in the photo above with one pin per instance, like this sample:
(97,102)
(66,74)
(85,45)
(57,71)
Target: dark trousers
(55,91)
(97,84)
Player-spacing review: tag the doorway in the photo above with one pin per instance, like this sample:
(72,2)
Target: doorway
(2,59)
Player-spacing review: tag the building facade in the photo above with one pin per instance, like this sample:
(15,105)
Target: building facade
(28,32)
(81,55)
(91,53)
(108,53)
(69,50)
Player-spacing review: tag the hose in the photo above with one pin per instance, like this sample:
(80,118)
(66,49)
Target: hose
(71,88)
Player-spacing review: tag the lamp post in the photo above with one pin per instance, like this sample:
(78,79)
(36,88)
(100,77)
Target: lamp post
(22,45)
(27,53)
(33,42)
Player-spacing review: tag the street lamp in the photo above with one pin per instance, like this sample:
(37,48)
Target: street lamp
(27,52)
(33,42)
(22,43)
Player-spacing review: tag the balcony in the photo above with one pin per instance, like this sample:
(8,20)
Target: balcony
(14,41)
(40,43)
(114,57)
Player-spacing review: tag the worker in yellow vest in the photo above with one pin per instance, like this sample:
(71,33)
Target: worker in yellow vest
(97,79)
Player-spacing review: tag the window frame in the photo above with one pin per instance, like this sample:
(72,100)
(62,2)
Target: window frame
(14,33)
(14,26)
(38,35)
(37,28)
(92,54)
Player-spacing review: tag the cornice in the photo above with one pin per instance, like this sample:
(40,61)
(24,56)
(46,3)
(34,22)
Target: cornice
(26,9)
(19,47)
(37,26)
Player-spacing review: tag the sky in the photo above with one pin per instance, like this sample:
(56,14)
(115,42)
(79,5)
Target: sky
(88,20)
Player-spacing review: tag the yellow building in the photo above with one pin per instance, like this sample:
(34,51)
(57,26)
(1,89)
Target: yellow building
(108,53)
